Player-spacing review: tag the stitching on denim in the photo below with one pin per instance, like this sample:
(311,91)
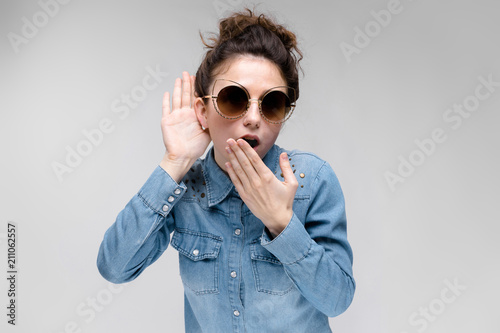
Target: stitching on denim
(261,288)
(214,290)
(199,233)
(302,258)
(208,255)
(280,293)
(256,256)
(149,206)
(209,189)
(256,259)
(155,224)
(205,208)
(214,255)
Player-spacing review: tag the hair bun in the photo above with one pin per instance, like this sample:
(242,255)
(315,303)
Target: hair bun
(245,33)
(235,24)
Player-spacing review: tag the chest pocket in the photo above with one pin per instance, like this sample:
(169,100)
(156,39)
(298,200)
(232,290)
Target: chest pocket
(198,260)
(269,273)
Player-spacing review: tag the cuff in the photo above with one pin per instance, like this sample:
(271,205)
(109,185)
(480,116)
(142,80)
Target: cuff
(161,192)
(291,245)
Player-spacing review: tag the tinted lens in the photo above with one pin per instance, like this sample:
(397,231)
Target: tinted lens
(276,105)
(232,101)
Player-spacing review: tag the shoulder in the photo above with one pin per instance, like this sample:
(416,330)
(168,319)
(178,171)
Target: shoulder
(306,163)
(311,171)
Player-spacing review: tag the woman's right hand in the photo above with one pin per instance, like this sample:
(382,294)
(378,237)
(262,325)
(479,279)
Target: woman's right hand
(184,138)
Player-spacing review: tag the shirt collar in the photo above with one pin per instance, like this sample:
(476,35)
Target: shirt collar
(219,184)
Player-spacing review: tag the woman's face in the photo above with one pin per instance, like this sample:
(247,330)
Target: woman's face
(257,75)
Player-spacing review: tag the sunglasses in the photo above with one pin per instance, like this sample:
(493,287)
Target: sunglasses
(233,101)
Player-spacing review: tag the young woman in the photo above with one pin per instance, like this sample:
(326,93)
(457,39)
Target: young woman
(260,231)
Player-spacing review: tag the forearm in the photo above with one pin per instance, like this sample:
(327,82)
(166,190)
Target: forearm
(142,229)
(131,243)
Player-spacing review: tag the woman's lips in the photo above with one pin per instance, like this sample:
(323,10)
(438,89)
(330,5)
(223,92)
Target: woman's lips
(253,141)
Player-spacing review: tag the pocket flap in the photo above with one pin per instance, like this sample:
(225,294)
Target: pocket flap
(258,252)
(196,245)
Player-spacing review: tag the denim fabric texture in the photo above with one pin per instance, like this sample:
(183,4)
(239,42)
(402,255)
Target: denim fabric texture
(236,278)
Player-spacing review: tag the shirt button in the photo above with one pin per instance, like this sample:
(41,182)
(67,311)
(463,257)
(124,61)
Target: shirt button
(177,191)
(164,208)
(237,232)
(196,252)
(170,199)
(236,313)
(233,274)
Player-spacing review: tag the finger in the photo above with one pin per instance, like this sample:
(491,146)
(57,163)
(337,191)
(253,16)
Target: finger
(237,167)
(193,79)
(287,171)
(242,158)
(254,158)
(234,178)
(186,90)
(176,98)
(166,105)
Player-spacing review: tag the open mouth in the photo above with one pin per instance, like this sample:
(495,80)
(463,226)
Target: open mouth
(252,142)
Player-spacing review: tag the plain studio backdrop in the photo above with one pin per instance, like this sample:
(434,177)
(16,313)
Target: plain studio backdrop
(400,97)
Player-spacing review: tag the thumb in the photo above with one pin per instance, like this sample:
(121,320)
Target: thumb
(286,169)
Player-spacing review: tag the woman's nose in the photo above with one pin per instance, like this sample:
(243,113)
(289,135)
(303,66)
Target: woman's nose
(252,116)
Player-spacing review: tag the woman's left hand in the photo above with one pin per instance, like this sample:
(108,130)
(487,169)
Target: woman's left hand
(268,198)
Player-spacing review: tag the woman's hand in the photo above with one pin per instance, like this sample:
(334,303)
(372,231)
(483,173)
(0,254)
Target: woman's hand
(269,199)
(184,138)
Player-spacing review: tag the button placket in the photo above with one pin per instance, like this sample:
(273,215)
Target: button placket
(235,258)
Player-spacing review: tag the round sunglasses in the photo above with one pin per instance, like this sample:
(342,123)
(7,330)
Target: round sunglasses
(233,101)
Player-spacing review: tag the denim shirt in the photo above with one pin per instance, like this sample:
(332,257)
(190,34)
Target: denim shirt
(236,278)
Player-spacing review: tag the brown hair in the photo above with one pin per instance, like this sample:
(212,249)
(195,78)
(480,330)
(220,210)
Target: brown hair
(244,33)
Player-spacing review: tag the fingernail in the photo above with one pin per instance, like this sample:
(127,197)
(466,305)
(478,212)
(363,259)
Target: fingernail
(230,142)
(284,156)
(228,165)
(228,150)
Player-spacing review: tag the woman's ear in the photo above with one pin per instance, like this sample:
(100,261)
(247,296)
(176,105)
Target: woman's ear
(201,111)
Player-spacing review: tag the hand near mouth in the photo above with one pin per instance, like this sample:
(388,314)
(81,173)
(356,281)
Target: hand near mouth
(252,142)
(268,198)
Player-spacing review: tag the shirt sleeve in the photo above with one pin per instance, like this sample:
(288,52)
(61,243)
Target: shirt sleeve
(315,253)
(141,232)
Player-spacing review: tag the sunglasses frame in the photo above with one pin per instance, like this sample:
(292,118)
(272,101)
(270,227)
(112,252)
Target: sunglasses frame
(259,100)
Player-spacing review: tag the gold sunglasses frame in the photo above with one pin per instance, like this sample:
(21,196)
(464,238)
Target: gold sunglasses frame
(250,100)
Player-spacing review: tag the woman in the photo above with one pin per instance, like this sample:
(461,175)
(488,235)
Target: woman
(260,231)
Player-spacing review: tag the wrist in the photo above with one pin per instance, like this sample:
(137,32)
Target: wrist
(277,228)
(176,167)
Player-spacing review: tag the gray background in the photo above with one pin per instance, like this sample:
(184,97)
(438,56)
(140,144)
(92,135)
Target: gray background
(439,225)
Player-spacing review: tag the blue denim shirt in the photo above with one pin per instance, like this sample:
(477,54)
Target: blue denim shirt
(236,278)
